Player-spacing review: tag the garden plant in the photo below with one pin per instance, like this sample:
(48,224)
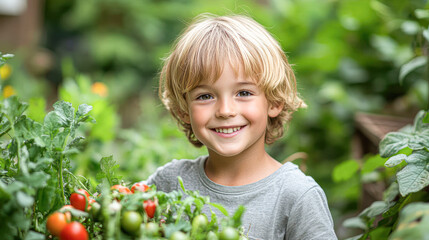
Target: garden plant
(41,197)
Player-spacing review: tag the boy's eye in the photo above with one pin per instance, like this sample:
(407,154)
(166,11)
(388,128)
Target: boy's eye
(244,94)
(204,97)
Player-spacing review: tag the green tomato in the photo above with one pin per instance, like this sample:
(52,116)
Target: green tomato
(212,236)
(199,222)
(178,235)
(229,233)
(131,221)
(151,229)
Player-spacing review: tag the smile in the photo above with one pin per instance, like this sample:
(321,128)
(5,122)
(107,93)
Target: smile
(227,130)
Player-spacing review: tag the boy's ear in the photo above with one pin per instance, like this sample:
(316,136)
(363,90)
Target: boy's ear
(185,117)
(274,109)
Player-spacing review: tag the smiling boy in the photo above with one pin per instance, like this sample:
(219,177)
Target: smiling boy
(230,87)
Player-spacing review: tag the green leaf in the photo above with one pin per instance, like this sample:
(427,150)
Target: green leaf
(32,235)
(108,166)
(411,66)
(220,208)
(380,233)
(83,110)
(24,200)
(391,192)
(392,143)
(345,170)
(27,129)
(426,34)
(413,222)
(421,13)
(65,111)
(355,222)
(376,208)
(373,163)
(12,108)
(4,57)
(395,160)
(419,125)
(53,122)
(418,141)
(36,180)
(236,218)
(181,183)
(46,196)
(426,118)
(414,176)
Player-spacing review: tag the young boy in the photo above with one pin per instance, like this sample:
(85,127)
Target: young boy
(229,85)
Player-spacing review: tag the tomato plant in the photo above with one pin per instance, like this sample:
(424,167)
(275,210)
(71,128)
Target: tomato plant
(38,179)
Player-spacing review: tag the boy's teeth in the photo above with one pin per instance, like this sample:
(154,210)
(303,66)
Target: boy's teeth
(227,130)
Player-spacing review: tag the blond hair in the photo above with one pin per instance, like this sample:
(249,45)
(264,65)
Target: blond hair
(200,53)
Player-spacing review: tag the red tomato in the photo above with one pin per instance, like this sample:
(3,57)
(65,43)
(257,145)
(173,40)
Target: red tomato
(139,187)
(78,201)
(56,222)
(74,231)
(84,192)
(150,208)
(121,189)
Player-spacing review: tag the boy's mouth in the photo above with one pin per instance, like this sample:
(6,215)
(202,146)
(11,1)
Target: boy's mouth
(227,129)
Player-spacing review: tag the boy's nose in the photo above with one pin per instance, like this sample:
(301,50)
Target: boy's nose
(225,109)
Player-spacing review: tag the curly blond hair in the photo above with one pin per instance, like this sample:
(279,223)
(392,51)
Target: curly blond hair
(201,52)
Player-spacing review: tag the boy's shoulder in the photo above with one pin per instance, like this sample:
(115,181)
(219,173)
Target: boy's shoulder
(165,177)
(294,182)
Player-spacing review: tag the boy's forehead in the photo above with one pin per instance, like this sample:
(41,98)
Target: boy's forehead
(230,70)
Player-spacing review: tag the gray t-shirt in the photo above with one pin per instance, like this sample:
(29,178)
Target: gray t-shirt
(285,205)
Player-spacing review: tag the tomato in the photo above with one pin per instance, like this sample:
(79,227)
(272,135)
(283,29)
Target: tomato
(84,192)
(150,208)
(139,187)
(211,236)
(121,189)
(56,222)
(74,231)
(178,235)
(229,233)
(78,201)
(151,229)
(200,222)
(131,221)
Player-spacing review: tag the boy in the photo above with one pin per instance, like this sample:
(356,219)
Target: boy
(229,85)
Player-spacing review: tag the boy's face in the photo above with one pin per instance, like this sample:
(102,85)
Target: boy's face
(229,116)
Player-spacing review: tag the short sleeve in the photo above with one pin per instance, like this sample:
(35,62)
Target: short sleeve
(164,178)
(310,217)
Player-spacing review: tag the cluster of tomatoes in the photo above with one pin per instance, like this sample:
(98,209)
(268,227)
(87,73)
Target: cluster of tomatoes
(60,223)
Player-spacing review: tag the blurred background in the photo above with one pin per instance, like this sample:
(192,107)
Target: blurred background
(360,66)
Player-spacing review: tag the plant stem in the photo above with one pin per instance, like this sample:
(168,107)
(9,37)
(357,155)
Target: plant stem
(60,170)
(427,78)
(18,153)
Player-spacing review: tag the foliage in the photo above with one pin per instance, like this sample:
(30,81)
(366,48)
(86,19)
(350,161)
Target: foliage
(35,176)
(36,180)
(348,56)
(397,217)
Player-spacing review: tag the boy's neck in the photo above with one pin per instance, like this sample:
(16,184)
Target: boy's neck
(240,170)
